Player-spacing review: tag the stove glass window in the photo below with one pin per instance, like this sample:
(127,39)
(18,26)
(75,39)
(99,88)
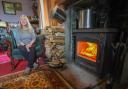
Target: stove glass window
(87,50)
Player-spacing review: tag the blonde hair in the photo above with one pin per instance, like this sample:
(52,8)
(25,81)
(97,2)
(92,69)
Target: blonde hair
(29,26)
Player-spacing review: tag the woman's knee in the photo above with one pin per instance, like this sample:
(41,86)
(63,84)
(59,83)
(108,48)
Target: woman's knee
(22,48)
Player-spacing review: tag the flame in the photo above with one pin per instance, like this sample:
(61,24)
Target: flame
(87,50)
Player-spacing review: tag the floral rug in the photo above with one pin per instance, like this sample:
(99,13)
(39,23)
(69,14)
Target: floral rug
(43,78)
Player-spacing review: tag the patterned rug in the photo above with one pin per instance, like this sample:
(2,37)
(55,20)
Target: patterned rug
(43,78)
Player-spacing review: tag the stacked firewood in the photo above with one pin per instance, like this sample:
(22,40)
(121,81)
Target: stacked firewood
(54,44)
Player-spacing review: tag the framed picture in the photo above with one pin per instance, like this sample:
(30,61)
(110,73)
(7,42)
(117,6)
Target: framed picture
(9,8)
(18,6)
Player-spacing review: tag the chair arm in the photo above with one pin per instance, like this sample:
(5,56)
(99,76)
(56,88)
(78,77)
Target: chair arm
(9,50)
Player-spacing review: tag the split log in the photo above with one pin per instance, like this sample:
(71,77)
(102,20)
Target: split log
(59,30)
(59,34)
(48,52)
(56,38)
(59,42)
(60,47)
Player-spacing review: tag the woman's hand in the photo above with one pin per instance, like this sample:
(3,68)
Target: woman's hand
(29,45)
(21,43)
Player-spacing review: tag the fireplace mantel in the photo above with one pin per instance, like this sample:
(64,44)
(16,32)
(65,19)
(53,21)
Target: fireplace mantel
(82,30)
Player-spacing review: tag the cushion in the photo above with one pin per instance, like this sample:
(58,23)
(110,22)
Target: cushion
(17,54)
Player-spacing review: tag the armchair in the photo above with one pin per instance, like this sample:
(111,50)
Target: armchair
(15,54)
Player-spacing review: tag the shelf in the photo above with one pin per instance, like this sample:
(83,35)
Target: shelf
(95,30)
(34,21)
(83,3)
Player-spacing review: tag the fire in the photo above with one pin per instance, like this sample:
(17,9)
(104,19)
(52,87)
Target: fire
(87,50)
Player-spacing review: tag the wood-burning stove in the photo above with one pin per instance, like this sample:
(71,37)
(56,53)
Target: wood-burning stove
(93,49)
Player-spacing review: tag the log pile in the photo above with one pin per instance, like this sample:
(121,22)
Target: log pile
(54,44)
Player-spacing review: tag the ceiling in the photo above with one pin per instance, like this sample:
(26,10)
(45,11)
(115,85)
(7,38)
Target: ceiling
(65,3)
(78,3)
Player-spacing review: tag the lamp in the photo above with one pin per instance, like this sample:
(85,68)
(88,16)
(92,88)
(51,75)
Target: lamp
(3,24)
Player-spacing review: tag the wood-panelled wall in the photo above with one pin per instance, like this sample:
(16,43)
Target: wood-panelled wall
(48,5)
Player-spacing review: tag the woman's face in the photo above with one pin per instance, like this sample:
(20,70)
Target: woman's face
(23,21)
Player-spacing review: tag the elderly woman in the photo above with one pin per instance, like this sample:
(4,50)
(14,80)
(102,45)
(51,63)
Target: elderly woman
(25,40)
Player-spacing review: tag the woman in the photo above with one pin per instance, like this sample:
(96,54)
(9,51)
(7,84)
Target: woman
(25,41)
